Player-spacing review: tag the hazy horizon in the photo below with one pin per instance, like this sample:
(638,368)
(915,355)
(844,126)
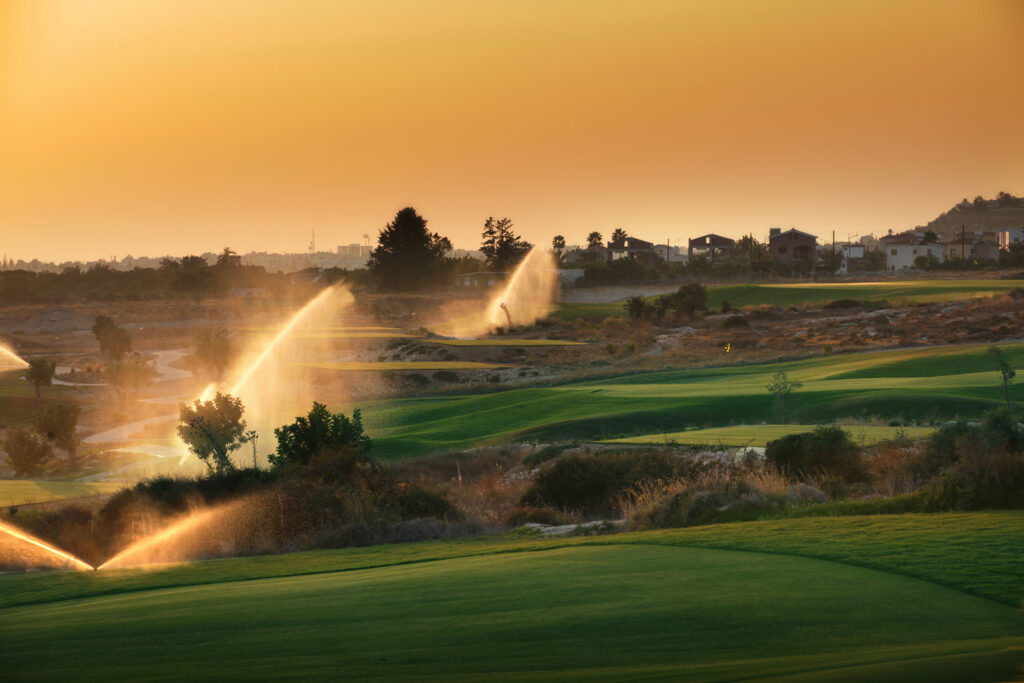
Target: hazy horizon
(130,128)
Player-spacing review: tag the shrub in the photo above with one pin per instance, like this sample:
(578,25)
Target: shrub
(417,378)
(635,306)
(726,307)
(826,451)
(593,483)
(320,432)
(413,502)
(446,376)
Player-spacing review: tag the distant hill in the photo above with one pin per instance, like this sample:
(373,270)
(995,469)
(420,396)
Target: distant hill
(984,215)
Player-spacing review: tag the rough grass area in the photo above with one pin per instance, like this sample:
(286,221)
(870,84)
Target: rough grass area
(656,605)
(364,366)
(935,387)
(24,491)
(816,294)
(498,341)
(759,435)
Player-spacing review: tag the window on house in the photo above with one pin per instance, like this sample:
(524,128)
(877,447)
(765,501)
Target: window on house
(782,250)
(892,252)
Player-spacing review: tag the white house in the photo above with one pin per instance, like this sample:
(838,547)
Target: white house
(901,250)
(852,252)
(1009,237)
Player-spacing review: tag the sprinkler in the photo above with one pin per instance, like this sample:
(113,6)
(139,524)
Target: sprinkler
(507,314)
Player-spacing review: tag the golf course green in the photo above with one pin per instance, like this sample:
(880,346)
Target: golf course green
(920,384)
(799,599)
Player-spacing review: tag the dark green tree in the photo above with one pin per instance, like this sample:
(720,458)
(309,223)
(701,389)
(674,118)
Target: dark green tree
(114,340)
(40,371)
(27,454)
(407,254)
(1006,372)
(783,388)
(320,432)
(501,246)
(213,429)
(59,425)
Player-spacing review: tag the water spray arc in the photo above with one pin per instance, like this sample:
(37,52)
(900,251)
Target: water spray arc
(9,359)
(53,553)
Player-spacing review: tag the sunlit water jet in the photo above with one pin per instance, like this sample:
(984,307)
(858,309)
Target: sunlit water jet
(528,296)
(175,543)
(9,360)
(270,380)
(39,551)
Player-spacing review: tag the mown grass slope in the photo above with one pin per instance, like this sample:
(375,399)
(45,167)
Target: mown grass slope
(909,384)
(760,435)
(656,606)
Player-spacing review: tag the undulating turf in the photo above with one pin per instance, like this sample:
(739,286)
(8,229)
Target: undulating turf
(759,435)
(942,382)
(22,491)
(652,606)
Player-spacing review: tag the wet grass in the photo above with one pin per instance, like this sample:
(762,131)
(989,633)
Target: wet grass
(909,597)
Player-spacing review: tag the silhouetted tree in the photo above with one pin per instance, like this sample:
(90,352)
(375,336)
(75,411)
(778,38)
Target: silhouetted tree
(558,246)
(213,429)
(40,371)
(407,254)
(783,388)
(1006,372)
(59,425)
(129,374)
(213,352)
(195,277)
(114,340)
(980,204)
(595,239)
(320,432)
(27,454)
(228,259)
(501,246)
(618,235)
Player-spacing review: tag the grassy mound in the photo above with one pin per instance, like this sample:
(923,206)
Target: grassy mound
(654,605)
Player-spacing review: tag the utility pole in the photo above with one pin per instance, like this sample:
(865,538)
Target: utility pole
(963,256)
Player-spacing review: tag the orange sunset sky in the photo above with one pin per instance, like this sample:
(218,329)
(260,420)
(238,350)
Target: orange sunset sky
(153,127)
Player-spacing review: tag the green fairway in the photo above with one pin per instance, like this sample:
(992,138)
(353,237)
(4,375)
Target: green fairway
(816,293)
(759,435)
(364,366)
(925,383)
(499,341)
(653,606)
(22,491)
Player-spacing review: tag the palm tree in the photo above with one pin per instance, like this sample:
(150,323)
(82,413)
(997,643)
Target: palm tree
(595,239)
(619,235)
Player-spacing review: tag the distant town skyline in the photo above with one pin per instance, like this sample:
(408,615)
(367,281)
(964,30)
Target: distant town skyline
(152,128)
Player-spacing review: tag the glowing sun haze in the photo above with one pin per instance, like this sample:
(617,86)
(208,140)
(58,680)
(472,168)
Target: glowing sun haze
(180,127)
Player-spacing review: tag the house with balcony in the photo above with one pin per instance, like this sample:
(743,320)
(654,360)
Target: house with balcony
(792,246)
